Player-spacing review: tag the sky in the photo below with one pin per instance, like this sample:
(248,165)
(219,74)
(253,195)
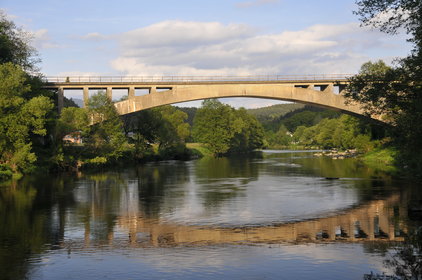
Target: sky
(201,38)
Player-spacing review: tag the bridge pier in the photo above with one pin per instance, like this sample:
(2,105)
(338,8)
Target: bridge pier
(131,93)
(60,99)
(109,93)
(86,96)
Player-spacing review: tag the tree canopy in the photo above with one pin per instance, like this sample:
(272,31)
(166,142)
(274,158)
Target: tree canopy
(15,45)
(395,92)
(225,129)
(21,118)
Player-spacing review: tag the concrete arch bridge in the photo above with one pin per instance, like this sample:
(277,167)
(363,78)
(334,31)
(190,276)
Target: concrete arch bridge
(149,92)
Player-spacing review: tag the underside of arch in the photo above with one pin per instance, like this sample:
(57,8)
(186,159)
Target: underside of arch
(183,93)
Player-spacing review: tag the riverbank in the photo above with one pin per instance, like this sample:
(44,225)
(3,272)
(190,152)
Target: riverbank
(381,159)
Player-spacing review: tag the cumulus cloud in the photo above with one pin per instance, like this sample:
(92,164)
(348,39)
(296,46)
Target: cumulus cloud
(180,33)
(212,48)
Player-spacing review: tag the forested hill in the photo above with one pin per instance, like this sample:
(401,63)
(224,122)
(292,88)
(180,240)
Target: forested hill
(264,114)
(291,116)
(273,112)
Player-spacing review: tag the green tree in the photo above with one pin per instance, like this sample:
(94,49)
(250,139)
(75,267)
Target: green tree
(172,129)
(225,129)
(212,125)
(21,118)
(26,110)
(395,92)
(72,119)
(144,127)
(107,139)
(14,45)
(248,132)
(281,138)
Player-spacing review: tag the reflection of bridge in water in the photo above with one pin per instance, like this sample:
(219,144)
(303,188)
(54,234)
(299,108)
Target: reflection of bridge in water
(378,220)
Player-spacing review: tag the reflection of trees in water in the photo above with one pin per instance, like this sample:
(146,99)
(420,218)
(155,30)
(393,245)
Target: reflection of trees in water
(220,179)
(369,185)
(403,258)
(306,164)
(406,260)
(32,215)
(100,197)
(239,166)
(156,182)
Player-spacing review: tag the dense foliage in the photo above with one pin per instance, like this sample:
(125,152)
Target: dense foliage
(225,129)
(14,45)
(395,92)
(342,133)
(26,111)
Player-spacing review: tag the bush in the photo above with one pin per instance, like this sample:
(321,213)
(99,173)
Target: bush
(5,172)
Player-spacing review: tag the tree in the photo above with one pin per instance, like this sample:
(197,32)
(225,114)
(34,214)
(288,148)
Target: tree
(14,45)
(72,119)
(144,128)
(21,117)
(107,137)
(212,125)
(395,92)
(172,129)
(389,16)
(248,132)
(225,129)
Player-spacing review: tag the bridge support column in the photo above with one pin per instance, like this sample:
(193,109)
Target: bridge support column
(86,96)
(131,93)
(60,99)
(311,86)
(109,93)
(153,90)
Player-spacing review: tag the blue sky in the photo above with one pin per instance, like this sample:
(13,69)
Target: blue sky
(187,37)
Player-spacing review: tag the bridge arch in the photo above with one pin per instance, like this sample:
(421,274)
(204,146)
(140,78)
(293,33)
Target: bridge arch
(183,93)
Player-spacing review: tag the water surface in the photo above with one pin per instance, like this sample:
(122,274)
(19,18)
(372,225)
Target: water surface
(270,215)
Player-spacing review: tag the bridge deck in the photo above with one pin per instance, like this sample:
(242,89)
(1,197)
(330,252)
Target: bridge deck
(192,80)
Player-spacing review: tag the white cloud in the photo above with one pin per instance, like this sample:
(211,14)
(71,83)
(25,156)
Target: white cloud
(42,40)
(95,36)
(181,33)
(212,48)
(249,4)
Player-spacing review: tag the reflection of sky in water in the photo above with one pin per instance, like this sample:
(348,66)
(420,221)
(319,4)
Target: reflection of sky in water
(331,261)
(269,199)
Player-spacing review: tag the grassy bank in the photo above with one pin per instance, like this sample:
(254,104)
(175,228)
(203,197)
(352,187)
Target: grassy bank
(199,149)
(382,159)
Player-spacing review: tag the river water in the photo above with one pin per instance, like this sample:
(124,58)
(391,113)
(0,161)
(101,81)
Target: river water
(269,215)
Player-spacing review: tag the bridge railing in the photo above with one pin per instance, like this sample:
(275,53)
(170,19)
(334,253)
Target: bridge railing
(181,79)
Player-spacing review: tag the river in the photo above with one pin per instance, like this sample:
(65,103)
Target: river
(268,215)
